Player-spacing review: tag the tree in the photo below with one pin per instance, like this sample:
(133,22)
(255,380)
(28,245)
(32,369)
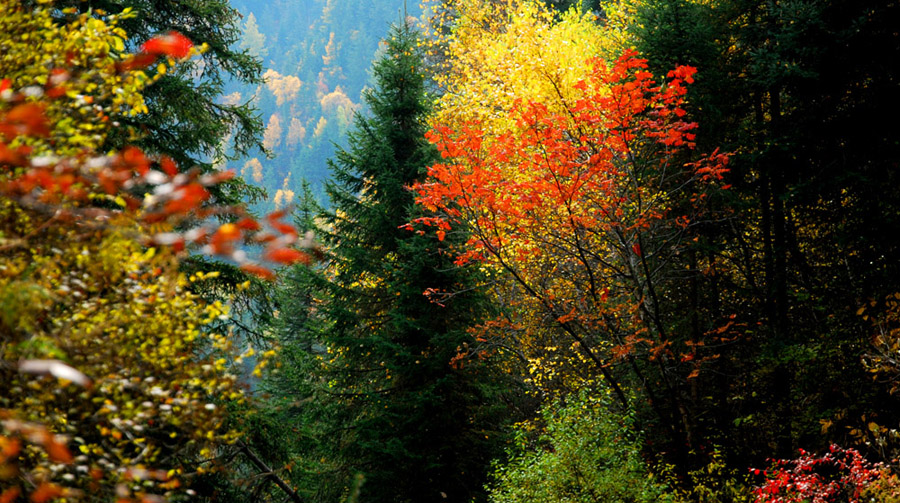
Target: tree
(111,386)
(806,218)
(584,199)
(499,52)
(253,40)
(272,138)
(381,399)
(838,475)
(185,119)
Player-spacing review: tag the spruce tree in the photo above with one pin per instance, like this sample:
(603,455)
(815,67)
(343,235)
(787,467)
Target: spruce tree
(383,412)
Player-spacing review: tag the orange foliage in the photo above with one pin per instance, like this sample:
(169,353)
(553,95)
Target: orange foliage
(577,205)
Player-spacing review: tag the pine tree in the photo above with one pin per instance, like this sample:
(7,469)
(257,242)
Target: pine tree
(381,404)
(254,41)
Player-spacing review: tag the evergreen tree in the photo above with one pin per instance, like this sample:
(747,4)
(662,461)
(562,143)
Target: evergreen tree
(254,41)
(186,119)
(378,399)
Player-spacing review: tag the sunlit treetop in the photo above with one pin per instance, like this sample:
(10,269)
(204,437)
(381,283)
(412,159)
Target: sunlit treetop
(497,52)
(576,198)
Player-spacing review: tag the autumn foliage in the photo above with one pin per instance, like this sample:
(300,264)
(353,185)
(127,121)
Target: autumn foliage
(112,387)
(566,232)
(42,180)
(580,205)
(839,475)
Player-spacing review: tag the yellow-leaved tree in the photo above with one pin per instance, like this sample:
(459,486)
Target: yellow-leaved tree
(498,53)
(111,387)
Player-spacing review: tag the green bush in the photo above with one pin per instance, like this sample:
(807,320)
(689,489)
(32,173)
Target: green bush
(583,453)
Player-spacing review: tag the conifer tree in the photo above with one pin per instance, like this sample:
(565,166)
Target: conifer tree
(381,404)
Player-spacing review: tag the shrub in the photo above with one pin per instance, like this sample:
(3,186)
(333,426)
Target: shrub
(583,453)
(839,476)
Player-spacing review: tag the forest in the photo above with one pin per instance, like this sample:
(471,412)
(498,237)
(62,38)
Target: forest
(469,251)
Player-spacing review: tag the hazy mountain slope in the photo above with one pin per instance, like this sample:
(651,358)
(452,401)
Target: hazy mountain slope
(317,55)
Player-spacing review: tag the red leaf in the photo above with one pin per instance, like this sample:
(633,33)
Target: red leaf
(248,224)
(287,256)
(136,62)
(135,158)
(56,92)
(219,177)
(55,85)
(636,249)
(276,215)
(57,451)
(12,157)
(264,237)
(46,492)
(284,228)
(10,495)
(258,271)
(11,448)
(224,237)
(174,45)
(168,165)
(26,119)
(189,198)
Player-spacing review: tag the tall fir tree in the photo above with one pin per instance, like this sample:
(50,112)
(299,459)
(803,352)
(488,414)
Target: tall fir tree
(383,411)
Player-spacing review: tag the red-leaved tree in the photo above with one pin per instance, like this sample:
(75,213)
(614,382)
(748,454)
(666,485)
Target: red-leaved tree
(585,213)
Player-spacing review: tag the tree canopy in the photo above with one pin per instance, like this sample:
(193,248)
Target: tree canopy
(630,250)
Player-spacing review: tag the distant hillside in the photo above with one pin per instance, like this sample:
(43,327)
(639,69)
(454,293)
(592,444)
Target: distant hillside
(317,55)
